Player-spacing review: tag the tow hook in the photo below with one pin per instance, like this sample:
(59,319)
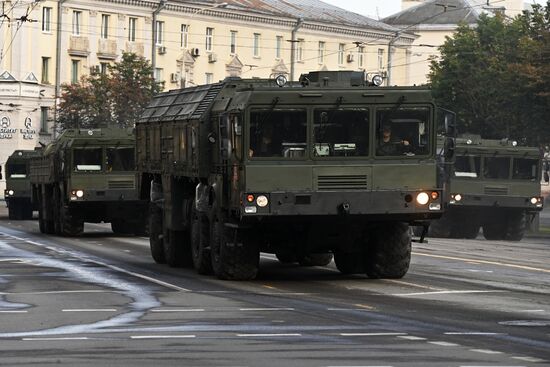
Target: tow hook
(344,208)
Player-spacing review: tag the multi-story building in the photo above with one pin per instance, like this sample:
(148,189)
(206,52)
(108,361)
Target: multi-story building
(188,42)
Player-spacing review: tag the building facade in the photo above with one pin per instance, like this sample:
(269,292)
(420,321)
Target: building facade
(188,43)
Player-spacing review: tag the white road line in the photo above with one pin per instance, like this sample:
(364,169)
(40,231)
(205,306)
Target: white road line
(372,334)
(13,311)
(444,344)
(411,337)
(534,310)
(56,292)
(267,335)
(485,351)
(89,310)
(180,310)
(443,292)
(267,309)
(54,339)
(529,359)
(162,336)
(349,309)
(472,333)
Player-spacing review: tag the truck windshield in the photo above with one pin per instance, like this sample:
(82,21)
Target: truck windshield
(403,131)
(16,170)
(120,159)
(87,159)
(467,166)
(278,133)
(525,169)
(341,132)
(496,167)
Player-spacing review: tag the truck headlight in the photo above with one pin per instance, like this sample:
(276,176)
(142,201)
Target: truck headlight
(11,192)
(457,197)
(534,200)
(422,198)
(79,193)
(262,201)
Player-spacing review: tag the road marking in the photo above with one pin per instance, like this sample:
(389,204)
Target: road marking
(534,311)
(372,334)
(58,292)
(411,337)
(444,344)
(485,351)
(180,310)
(162,336)
(480,333)
(54,339)
(268,309)
(413,284)
(367,307)
(13,311)
(89,310)
(515,266)
(443,292)
(268,335)
(479,271)
(529,359)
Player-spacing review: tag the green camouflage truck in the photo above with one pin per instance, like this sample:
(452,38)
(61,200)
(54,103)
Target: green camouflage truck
(18,184)
(496,186)
(297,169)
(88,175)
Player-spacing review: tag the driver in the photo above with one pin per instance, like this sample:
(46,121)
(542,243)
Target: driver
(390,145)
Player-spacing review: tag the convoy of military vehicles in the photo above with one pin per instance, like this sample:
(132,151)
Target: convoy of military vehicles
(330,167)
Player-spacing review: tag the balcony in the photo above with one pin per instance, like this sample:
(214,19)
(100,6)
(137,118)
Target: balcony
(107,49)
(135,47)
(79,46)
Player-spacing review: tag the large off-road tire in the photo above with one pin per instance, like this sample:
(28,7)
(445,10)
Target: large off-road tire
(177,251)
(155,234)
(200,246)
(234,255)
(70,225)
(41,222)
(320,259)
(286,257)
(121,227)
(468,230)
(494,230)
(13,212)
(440,228)
(27,210)
(350,262)
(389,251)
(517,223)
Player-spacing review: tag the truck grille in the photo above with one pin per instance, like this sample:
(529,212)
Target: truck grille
(342,182)
(496,191)
(129,184)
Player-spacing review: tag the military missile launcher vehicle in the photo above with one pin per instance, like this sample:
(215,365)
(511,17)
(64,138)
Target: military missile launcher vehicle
(496,186)
(327,166)
(18,185)
(88,175)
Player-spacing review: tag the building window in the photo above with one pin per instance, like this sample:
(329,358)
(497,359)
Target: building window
(46,19)
(184,37)
(105,26)
(159,36)
(233,43)
(209,38)
(380,58)
(278,47)
(300,49)
(45,70)
(341,50)
(361,56)
(44,119)
(256,45)
(74,71)
(132,25)
(77,21)
(209,77)
(103,68)
(158,75)
(321,52)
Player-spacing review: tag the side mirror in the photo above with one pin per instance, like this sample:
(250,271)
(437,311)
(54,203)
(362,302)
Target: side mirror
(450,126)
(546,177)
(449,148)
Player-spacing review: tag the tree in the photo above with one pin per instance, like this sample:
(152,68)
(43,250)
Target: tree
(496,76)
(105,99)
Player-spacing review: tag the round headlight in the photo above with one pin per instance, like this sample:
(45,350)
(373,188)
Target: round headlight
(458,197)
(281,80)
(514,143)
(377,80)
(11,192)
(533,200)
(422,198)
(79,193)
(262,201)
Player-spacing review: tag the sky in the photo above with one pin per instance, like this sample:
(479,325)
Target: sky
(378,8)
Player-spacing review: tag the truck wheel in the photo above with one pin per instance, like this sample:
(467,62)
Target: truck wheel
(350,262)
(389,251)
(322,259)
(439,228)
(27,212)
(12,215)
(234,255)
(176,248)
(70,226)
(469,230)
(41,222)
(517,222)
(286,258)
(121,227)
(155,234)
(199,238)
(494,231)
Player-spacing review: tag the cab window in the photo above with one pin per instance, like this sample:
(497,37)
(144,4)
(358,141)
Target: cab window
(120,159)
(341,132)
(16,170)
(467,166)
(87,159)
(525,169)
(403,131)
(496,167)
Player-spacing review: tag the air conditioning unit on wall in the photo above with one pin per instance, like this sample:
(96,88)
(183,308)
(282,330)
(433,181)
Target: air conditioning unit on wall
(174,77)
(194,52)
(350,57)
(212,57)
(95,69)
(162,50)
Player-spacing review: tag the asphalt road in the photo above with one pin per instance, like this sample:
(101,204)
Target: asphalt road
(100,300)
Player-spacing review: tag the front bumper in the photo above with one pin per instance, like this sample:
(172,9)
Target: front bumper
(487,201)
